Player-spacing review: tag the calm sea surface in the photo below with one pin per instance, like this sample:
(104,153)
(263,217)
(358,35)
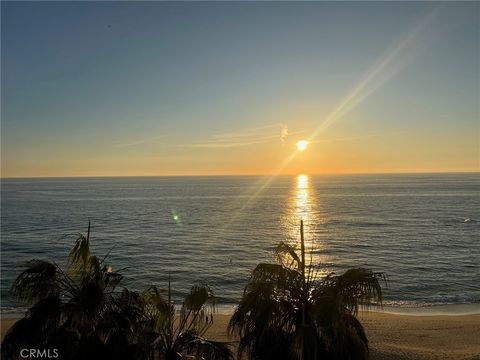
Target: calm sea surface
(423,231)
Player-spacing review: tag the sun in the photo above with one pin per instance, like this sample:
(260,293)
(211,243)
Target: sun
(302,145)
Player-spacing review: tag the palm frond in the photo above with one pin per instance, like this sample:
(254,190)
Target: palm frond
(37,282)
(157,307)
(190,343)
(197,309)
(287,251)
(78,258)
(199,297)
(359,288)
(276,274)
(111,279)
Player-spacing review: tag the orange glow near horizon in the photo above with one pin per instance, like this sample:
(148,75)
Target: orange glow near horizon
(363,114)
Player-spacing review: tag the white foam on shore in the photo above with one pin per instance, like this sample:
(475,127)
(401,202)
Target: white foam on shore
(450,309)
(433,310)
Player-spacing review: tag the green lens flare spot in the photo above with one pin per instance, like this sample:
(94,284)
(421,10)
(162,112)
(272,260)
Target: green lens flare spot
(176,217)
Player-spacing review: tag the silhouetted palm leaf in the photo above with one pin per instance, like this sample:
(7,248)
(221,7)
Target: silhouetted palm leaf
(80,255)
(181,337)
(191,344)
(37,282)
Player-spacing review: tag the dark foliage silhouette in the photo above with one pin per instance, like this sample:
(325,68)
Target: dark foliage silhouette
(289,312)
(80,310)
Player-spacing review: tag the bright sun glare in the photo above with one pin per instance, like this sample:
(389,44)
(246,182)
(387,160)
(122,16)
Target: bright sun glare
(302,145)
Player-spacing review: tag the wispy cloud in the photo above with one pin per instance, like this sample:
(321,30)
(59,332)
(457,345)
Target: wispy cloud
(283,133)
(246,137)
(137,142)
(222,145)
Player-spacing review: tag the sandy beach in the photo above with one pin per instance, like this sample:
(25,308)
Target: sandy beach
(395,337)
(407,336)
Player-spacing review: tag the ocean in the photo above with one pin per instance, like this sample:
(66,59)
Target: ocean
(421,230)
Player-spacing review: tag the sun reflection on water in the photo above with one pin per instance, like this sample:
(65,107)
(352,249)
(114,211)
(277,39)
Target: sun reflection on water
(300,206)
(303,205)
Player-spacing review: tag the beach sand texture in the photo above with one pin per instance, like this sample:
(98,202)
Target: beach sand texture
(395,337)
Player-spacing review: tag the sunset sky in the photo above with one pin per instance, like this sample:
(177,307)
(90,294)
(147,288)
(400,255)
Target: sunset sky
(106,89)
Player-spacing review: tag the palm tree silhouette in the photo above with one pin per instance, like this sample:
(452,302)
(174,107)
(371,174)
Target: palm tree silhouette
(288,312)
(80,311)
(75,309)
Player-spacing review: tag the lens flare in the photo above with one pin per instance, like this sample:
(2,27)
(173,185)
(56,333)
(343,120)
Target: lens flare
(176,217)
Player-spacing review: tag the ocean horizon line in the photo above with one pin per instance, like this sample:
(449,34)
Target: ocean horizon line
(240,175)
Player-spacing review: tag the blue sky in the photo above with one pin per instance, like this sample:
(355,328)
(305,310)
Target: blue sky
(150,88)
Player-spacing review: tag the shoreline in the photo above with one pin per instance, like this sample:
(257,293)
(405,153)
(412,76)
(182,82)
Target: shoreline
(431,310)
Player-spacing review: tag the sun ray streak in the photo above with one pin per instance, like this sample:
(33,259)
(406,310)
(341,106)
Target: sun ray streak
(383,71)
